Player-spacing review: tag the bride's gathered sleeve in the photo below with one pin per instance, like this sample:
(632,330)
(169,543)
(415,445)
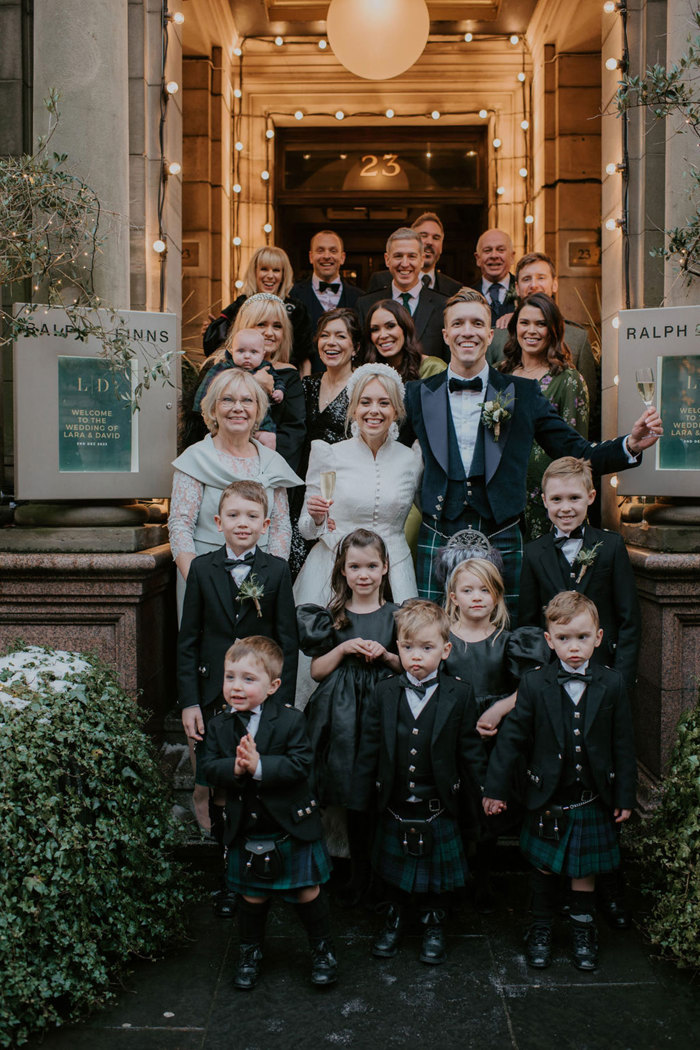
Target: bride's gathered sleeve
(280,535)
(185,502)
(319,459)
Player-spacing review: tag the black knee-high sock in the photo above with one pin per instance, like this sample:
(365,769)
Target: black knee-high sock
(543,888)
(251,921)
(315,917)
(582,906)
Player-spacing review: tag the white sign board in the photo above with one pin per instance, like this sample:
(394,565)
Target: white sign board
(659,357)
(76,434)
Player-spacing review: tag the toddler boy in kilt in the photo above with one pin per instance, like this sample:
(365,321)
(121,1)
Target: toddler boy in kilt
(419,748)
(572,722)
(261,754)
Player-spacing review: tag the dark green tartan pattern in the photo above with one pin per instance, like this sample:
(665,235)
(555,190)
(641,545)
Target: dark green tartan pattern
(444,870)
(588,846)
(304,864)
(508,542)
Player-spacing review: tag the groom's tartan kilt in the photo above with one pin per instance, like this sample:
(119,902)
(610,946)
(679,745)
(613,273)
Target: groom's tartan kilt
(508,542)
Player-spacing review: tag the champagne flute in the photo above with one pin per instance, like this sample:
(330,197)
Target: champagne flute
(327,484)
(646,385)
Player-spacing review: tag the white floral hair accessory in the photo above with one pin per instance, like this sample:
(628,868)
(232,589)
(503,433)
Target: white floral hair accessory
(381,371)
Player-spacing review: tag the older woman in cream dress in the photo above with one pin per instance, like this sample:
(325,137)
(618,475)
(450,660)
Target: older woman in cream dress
(376,482)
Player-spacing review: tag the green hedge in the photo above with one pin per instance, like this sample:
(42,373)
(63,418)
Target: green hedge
(87,879)
(668,848)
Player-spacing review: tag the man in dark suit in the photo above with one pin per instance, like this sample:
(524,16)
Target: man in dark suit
(325,289)
(404,258)
(432,232)
(494,256)
(476,447)
(535,273)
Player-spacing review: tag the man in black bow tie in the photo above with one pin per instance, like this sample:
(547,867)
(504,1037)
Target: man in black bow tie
(476,442)
(325,289)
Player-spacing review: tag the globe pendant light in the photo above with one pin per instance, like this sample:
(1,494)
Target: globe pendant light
(378,39)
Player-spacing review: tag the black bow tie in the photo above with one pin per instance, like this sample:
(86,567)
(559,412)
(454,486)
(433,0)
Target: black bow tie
(247,559)
(465,384)
(564,676)
(420,689)
(332,286)
(575,534)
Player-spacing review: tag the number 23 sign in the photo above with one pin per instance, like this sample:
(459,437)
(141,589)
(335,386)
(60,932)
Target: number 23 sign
(387,166)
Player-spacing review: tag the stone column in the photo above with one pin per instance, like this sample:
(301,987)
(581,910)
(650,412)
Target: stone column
(80,49)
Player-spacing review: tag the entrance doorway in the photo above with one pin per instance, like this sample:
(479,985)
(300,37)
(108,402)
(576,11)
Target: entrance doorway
(366,182)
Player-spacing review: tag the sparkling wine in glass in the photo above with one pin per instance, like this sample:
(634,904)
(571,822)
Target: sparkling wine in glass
(646,385)
(327,484)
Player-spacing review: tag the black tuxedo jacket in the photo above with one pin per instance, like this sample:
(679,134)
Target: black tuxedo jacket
(533,417)
(286,756)
(457,753)
(609,582)
(444,285)
(212,621)
(428,318)
(503,307)
(304,292)
(535,729)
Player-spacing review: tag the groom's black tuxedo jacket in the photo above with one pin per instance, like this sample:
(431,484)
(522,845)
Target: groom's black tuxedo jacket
(212,620)
(501,485)
(609,583)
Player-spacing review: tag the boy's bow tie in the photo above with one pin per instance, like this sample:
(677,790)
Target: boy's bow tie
(247,559)
(571,676)
(421,689)
(575,534)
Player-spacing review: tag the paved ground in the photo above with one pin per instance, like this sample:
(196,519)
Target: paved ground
(484,997)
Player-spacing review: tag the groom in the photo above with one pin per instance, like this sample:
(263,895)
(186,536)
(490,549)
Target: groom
(475,427)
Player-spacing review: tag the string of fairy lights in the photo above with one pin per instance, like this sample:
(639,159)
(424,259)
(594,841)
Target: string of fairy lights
(272,117)
(492,115)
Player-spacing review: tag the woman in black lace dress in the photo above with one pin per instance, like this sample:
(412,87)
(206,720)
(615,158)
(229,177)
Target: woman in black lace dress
(337,341)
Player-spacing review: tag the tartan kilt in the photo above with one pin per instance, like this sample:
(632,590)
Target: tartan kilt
(304,864)
(444,870)
(507,541)
(589,845)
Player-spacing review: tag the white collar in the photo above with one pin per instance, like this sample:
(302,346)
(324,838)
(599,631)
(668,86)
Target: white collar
(504,282)
(414,292)
(575,670)
(239,557)
(430,680)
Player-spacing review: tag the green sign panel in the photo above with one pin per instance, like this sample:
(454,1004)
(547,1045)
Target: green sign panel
(94,424)
(679,448)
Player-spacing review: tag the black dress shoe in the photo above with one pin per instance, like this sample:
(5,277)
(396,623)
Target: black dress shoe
(432,949)
(585,945)
(225,904)
(324,965)
(615,912)
(538,946)
(387,943)
(249,959)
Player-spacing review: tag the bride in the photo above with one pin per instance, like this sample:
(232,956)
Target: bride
(376,482)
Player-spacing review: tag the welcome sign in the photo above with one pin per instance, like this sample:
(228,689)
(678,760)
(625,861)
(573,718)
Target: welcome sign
(77,434)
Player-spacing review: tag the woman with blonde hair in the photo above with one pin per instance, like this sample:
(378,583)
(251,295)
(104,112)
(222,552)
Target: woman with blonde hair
(269,270)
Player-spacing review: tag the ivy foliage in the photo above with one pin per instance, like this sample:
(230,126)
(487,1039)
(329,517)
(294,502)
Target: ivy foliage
(87,879)
(668,848)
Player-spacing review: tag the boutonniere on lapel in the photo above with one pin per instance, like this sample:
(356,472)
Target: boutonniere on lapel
(495,413)
(252,588)
(585,558)
(511,296)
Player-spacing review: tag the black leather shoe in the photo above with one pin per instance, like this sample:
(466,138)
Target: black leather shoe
(432,949)
(324,965)
(249,959)
(387,943)
(585,945)
(225,904)
(538,946)
(615,912)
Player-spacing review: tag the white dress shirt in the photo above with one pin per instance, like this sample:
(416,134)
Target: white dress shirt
(328,299)
(504,285)
(575,689)
(253,726)
(572,546)
(414,292)
(465,406)
(239,572)
(415,701)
